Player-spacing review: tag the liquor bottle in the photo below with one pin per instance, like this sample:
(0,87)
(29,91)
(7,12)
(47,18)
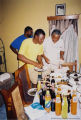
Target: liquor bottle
(64,107)
(52,80)
(43,93)
(51,74)
(58,105)
(39,81)
(74,103)
(53,105)
(39,75)
(68,99)
(47,101)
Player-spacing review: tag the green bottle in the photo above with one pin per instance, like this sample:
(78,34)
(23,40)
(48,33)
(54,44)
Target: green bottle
(64,108)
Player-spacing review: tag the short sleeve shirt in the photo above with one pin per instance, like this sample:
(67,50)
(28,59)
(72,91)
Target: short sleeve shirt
(17,42)
(30,50)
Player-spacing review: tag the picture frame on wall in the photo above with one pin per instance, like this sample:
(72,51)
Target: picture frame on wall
(60,9)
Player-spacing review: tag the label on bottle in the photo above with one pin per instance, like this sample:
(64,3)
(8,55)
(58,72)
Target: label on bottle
(63,103)
(47,104)
(58,100)
(75,99)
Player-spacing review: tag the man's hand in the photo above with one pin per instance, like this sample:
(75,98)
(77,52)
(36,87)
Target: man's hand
(38,65)
(47,60)
(62,55)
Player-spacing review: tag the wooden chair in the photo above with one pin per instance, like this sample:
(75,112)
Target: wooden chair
(71,65)
(10,110)
(23,80)
(18,104)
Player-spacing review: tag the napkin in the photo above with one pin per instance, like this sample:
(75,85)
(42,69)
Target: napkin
(35,111)
(4,76)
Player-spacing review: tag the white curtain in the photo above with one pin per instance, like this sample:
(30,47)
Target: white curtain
(71,45)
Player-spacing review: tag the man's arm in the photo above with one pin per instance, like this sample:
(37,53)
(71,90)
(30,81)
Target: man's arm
(39,59)
(28,61)
(62,55)
(14,50)
(46,59)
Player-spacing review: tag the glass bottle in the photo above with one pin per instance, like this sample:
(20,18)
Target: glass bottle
(74,103)
(53,105)
(64,107)
(47,101)
(58,105)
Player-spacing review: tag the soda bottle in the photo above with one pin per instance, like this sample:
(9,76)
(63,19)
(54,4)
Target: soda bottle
(74,104)
(58,105)
(47,101)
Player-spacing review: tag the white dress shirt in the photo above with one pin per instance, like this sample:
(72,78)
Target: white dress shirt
(52,50)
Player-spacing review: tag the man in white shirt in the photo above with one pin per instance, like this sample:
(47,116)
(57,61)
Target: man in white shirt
(53,49)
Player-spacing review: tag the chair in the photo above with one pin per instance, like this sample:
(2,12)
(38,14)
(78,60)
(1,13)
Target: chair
(10,110)
(13,103)
(71,66)
(23,80)
(17,101)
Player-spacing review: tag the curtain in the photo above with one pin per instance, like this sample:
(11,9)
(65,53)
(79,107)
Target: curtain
(62,25)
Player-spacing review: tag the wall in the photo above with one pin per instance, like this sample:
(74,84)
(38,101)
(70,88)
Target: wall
(18,14)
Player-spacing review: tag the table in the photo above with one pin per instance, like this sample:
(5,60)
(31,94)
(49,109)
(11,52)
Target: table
(52,115)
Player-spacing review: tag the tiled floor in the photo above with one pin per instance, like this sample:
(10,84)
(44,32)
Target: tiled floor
(3,112)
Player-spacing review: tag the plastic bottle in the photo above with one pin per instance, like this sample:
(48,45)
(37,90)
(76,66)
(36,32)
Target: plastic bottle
(74,104)
(47,101)
(64,107)
(58,105)
(39,85)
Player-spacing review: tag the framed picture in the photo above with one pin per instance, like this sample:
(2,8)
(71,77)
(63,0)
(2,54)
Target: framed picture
(60,9)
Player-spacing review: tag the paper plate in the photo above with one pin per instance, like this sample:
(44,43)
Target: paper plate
(75,76)
(32,91)
(40,70)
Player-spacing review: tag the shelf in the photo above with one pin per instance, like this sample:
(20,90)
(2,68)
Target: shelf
(49,18)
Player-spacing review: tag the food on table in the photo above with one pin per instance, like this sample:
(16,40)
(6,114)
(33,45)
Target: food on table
(59,76)
(75,74)
(59,89)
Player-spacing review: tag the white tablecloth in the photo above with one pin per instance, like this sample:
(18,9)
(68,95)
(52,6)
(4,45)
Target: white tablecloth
(52,115)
